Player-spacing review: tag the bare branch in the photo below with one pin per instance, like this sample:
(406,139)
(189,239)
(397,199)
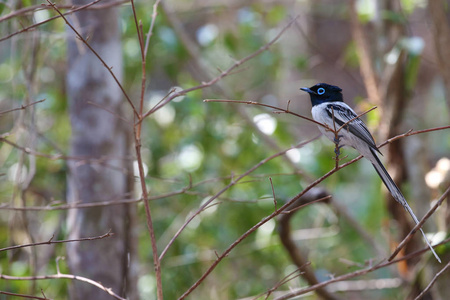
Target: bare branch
(64,276)
(223,74)
(48,20)
(233,182)
(444,269)
(420,224)
(137,141)
(21,107)
(354,274)
(152,24)
(49,242)
(74,8)
(267,218)
(296,255)
(277,109)
(96,54)
(21,295)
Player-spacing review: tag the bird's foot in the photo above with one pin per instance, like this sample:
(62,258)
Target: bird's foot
(337,149)
(337,139)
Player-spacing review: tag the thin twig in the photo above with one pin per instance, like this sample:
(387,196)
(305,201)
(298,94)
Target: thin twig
(222,75)
(297,256)
(96,54)
(273,193)
(287,111)
(49,242)
(81,159)
(444,269)
(264,220)
(280,283)
(233,182)
(156,259)
(137,140)
(22,295)
(74,8)
(354,274)
(21,107)
(358,116)
(64,276)
(48,20)
(420,224)
(110,111)
(152,24)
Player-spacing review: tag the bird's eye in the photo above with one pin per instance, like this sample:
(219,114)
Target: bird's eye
(321,91)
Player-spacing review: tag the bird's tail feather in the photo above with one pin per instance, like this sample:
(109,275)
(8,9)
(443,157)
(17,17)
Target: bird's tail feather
(397,194)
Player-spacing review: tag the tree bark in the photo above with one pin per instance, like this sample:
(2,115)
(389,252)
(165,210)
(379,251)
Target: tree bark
(99,138)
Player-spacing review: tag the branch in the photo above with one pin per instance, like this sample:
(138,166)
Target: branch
(152,24)
(277,109)
(419,225)
(293,250)
(351,120)
(233,182)
(444,269)
(49,242)
(137,141)
(81,159)
(263,221)
(48,20)
(96,54)
(283,281)
(21,107)
(277,212)
(64,276)
(22,295)
(222,75)
(74,8)
(355,274)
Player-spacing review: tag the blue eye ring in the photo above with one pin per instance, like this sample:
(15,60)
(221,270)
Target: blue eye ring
(320,91)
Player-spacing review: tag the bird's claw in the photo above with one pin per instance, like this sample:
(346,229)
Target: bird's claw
(337,139)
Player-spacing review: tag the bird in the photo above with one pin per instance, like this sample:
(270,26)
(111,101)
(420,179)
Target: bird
(343,126)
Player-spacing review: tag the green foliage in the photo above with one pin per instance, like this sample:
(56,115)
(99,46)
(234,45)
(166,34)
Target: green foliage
(205,144)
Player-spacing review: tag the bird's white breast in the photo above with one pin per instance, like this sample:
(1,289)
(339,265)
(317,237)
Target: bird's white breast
(319,113)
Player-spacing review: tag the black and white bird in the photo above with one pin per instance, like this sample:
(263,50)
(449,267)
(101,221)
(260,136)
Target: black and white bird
(329,109)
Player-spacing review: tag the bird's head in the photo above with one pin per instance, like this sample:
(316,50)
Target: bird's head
(323,92)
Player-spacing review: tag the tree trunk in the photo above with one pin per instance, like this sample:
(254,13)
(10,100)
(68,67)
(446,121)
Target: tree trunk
(99,138)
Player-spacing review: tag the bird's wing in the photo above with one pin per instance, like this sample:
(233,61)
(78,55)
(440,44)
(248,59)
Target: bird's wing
(342,115)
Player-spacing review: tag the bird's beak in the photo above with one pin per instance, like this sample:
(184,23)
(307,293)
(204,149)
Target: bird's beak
(308,90)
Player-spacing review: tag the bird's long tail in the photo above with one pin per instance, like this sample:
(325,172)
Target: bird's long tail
(397,194)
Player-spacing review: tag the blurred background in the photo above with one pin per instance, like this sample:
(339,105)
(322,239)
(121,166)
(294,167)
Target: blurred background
(389,54)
